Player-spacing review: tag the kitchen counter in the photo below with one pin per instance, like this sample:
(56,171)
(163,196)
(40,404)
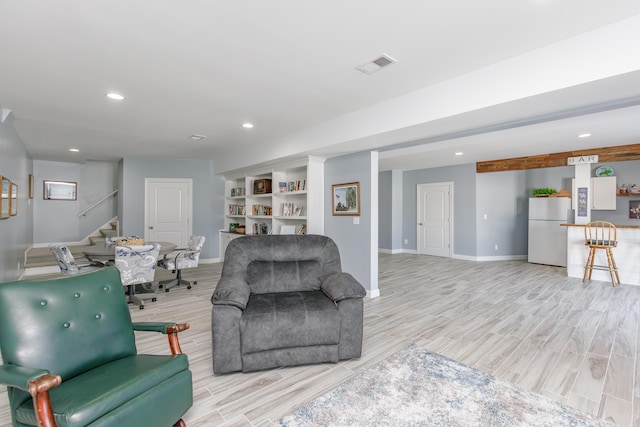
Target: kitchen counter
(626,254)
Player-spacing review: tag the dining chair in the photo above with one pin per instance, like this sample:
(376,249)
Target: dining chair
(67,262)
(179,260)
(137,265)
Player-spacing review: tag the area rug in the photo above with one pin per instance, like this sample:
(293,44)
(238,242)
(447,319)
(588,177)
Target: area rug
(415,387)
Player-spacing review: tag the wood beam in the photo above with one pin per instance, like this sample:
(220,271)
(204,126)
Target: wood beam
(605,154)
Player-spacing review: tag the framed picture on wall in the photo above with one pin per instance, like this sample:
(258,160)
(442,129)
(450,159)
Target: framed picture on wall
(346,199)
(13,200)
(31,186)
(5,200)
(59,190)
(634,209)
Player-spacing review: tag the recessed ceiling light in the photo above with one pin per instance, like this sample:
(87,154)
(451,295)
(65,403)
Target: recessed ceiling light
(116,96)
(74,150)
(459,153)
(247,125)
(197,137)
(584,135)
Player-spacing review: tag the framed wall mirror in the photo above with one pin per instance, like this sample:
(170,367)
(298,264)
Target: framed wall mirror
(59,190)
(13,199)
(5,200)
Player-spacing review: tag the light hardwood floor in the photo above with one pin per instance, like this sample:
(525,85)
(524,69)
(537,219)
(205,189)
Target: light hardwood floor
(524,323)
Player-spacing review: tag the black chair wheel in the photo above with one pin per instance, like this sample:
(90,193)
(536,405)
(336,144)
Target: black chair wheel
(195,282)
(154,299)
(189,287)
(141,307)
(167,290)
(160,286)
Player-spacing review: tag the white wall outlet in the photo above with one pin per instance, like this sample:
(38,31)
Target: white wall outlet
(406,241)
(484,216)
(356,220)
(496,247)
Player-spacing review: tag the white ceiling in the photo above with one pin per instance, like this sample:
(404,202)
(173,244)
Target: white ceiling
(287,66)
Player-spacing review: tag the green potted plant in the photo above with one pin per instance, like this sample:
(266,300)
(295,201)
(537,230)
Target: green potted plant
(543,192)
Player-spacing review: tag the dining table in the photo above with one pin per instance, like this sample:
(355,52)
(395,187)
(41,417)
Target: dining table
(103,253)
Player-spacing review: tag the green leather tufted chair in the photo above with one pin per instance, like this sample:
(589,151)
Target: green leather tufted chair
(70,358)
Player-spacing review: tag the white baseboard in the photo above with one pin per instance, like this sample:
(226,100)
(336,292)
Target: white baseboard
(491,258)
(209,260)
(373,293)
(390,251)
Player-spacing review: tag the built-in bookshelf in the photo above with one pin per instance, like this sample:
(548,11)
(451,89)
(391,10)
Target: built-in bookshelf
(294,205)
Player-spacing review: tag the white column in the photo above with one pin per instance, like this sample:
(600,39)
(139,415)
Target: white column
(583,180)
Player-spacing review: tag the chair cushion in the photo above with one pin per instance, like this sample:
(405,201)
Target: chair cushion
(88,396)
(283,276)
(289,319)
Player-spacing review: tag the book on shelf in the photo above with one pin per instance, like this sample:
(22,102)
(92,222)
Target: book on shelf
(291,209)
(302,229)
(236,209)
(282,186)
(261,210)
(260,228)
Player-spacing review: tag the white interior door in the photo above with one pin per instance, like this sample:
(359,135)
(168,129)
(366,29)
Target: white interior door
(434,219)
(168,215)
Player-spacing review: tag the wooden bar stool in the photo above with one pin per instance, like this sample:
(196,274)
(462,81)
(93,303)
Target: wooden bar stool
(601,235)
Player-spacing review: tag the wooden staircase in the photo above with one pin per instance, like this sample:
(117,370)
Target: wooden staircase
(38,258)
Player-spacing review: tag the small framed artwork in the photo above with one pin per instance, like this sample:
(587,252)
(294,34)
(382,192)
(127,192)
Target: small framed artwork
(31,186)
(60,190)
(5,208)
(288,229)
(634,209)
(346,199)
(13,199)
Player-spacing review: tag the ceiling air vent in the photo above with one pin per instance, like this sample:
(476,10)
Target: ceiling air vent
(376,64)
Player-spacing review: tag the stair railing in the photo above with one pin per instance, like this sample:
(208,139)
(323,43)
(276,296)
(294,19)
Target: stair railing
(84,212)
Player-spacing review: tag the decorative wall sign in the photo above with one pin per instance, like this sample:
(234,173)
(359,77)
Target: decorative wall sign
(582,201)
(634,209)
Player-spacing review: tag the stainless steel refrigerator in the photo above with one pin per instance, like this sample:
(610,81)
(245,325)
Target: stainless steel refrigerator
(547,239)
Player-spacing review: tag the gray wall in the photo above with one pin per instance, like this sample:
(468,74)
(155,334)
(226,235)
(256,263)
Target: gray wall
(385,216)
(501,196)
(58,220)
(354,240)
(208,196)
(464,204)
(16,233)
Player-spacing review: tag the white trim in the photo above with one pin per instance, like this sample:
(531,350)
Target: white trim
(390,251)
(374,293)
(491,258)
(410,251)
(209,260)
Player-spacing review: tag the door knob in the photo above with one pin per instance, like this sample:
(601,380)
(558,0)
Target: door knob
(419,223)
(151,227)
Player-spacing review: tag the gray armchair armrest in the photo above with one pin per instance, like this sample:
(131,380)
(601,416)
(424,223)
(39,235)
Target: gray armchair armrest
(341,286)
(231,291)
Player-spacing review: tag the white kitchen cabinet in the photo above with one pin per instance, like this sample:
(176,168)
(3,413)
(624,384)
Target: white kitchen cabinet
(603,193)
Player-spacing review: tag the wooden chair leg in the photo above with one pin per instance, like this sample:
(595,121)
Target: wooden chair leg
(613,268)
(180,423)
(588,267)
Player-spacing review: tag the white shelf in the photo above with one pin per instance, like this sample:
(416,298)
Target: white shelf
(309,173)
(294,217)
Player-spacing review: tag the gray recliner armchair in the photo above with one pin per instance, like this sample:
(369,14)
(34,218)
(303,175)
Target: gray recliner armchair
(283,300)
